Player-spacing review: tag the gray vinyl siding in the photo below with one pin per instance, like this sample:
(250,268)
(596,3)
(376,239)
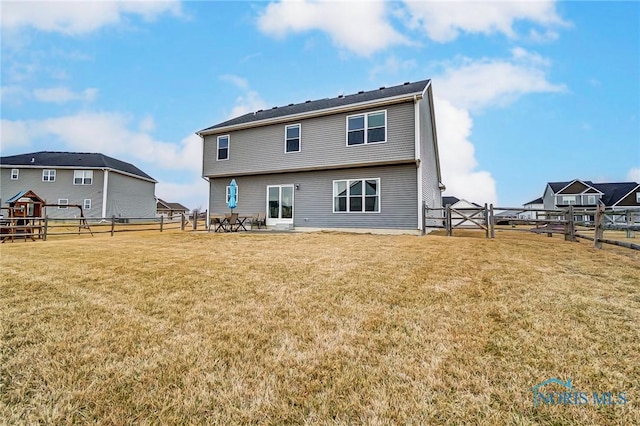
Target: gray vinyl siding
(127,196)
(430,180)
(323,144)
(51,192)
(130,197)
(313,201)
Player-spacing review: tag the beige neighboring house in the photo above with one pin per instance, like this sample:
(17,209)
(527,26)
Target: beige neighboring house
(167,209)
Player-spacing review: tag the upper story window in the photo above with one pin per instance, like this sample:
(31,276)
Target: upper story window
(48,175)
(591,199)
(357,195)
(367,128)
(568,199)
(14,174)
(223,147)
(82,177)
(292,138)
(637,197)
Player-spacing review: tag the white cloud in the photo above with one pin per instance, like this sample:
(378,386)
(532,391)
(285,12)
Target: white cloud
(392,66)
(359,26)
(457,156)
(444,21)
(109,133)
(78,17)
(239,82)
(478,84)
(249,101)
(14,134)
(62,95)
(634,174)
(193,195)
(13,95)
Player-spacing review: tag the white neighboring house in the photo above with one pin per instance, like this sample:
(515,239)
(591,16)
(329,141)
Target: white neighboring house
(536,204)
(456,219)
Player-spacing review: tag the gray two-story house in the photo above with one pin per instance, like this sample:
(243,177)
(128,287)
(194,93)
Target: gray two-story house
(102,185)
(365,160)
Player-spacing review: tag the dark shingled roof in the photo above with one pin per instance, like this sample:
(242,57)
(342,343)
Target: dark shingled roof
(87,160)
(449,200)
(171,206)
(613,191)
(537,200)
(310,106)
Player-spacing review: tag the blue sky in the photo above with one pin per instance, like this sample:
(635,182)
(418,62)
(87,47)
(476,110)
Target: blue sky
(526,92)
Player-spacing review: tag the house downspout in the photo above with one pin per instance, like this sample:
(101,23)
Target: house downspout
(416,109)
(105,185)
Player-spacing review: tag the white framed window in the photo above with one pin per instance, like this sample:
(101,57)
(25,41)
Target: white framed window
(591,199)
(356,195)
(223,148)
(86,204)
(227,194)
(292,138)
(637,197)
(48,175)
(83,177)
(568,199)
(14,174)
(63,203)
(367,128)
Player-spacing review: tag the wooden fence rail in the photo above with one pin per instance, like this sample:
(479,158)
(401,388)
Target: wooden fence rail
(544,221)
(43,227)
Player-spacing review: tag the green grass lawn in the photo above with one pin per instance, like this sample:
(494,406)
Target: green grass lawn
(323,328)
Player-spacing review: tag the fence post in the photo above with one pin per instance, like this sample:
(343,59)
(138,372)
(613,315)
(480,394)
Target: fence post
(599,231)
(182,221)
(569,226)
(630,216)
(195,219)
(492,221)
(161,222)
(46,224)
(448,220)
(486,220)
(113,224)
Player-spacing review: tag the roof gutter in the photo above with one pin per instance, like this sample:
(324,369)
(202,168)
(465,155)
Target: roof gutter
(310,114)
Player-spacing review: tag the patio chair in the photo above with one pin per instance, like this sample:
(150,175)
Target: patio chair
(217,222)
(260,220)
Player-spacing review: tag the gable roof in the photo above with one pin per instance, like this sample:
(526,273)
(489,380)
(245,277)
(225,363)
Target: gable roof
(170,206)
(80,160)
(449,200)
(536,201)
(612,191)
(26,193)
(343,101)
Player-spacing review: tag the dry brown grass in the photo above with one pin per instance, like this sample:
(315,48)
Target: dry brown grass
(322,328)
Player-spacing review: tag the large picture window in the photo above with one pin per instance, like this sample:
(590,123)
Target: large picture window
(356,195)
(292,138)
(83,177)
(367,128)
(223,147)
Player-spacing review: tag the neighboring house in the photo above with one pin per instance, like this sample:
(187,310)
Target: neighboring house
(586,194)
(102,185)
(456,218)
(536,204)
(164,208)
(366,160)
